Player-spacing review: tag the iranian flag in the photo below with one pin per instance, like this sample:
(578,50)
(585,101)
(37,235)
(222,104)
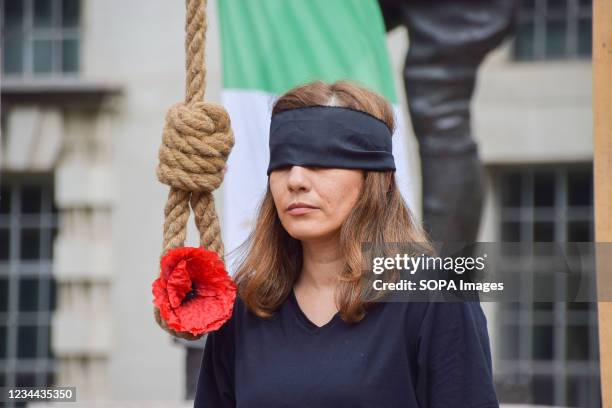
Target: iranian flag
(271,46)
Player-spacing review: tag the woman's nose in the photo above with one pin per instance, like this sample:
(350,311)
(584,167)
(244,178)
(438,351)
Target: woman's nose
(298,178)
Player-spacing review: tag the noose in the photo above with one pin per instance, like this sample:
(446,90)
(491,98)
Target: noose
(196,142)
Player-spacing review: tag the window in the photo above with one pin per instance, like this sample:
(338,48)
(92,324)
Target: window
(548,351)
(28,225)
(553,29)
(41,37)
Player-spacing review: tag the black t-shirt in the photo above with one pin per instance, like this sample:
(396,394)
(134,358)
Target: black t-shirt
(427,354)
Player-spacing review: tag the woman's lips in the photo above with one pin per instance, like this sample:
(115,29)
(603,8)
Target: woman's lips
(301,210)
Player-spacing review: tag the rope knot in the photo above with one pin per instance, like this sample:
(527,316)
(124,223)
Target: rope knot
(196,143)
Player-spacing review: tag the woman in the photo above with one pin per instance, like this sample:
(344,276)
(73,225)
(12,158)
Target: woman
(301,333)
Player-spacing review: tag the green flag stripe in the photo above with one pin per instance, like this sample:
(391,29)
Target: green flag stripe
(274,45)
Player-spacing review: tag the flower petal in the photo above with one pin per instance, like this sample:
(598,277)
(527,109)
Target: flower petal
(179,284)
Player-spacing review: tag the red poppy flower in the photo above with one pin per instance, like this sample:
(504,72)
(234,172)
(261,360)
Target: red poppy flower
(194,292)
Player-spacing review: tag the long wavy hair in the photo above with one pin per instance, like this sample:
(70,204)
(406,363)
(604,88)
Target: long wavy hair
(271,260)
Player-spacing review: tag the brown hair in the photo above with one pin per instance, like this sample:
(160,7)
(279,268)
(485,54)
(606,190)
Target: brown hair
(272,259)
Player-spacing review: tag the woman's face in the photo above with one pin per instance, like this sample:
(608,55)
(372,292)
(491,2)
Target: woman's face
(331,193)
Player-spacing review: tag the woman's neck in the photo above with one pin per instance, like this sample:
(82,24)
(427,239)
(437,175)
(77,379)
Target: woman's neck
(322,264)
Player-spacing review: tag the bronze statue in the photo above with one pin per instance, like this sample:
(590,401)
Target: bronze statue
(448,41)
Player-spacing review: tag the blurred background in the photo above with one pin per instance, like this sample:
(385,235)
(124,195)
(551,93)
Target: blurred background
(85,88)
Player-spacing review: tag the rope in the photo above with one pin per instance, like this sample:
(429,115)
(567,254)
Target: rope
(196,142)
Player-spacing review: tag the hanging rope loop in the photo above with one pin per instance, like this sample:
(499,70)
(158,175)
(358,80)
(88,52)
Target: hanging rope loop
(196,142)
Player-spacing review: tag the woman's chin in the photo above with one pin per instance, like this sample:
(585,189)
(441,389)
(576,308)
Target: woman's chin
(303,233)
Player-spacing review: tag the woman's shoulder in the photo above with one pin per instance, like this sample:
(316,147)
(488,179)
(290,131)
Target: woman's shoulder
(463,321)
(416,317)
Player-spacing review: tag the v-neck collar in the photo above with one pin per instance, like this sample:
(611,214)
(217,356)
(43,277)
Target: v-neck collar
(305,321)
